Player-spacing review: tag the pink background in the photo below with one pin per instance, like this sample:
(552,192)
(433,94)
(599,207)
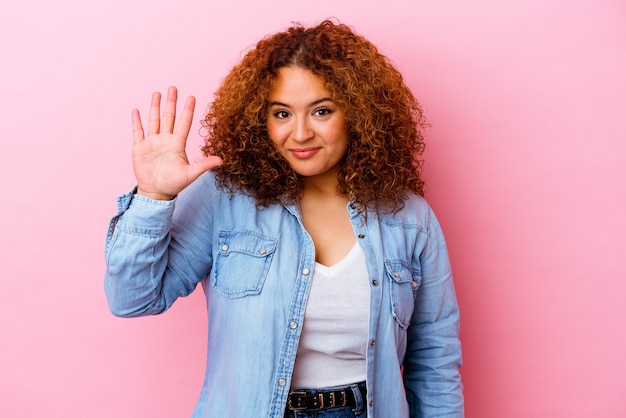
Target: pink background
(526,168)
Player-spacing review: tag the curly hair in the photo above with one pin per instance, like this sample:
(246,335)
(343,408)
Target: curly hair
(384,119)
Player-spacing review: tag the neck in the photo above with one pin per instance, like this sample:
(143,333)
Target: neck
(324,184)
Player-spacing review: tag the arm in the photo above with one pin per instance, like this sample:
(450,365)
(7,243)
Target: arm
(156,251)
(433,357)
(150,257)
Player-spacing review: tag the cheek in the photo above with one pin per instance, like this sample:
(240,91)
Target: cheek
(273,133)
(277,140)
(341,137)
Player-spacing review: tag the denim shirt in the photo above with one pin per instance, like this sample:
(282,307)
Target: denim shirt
(255,265)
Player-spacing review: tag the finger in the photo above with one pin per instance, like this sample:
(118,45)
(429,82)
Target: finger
(154,117)
(169,112)
(137,126)
(186,119)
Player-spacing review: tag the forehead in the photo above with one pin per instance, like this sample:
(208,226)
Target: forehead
(297,83)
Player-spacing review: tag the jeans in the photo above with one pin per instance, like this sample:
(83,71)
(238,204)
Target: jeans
(358,411)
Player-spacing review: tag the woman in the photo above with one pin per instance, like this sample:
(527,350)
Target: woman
(327,280)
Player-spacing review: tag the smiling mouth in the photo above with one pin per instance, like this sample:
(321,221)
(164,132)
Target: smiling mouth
(303,153)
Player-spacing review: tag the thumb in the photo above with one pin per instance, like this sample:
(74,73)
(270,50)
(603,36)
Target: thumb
(202,165)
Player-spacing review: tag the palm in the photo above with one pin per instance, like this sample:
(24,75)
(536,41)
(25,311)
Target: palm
(159,160)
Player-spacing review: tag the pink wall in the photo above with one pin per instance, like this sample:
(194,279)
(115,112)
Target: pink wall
(526,168)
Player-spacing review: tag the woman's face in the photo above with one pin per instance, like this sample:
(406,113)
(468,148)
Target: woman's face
(306,127)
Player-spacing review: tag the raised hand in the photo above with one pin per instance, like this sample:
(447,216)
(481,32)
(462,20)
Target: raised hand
(159,160)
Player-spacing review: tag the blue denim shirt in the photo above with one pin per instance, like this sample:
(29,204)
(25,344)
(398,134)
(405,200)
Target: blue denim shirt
(256,264)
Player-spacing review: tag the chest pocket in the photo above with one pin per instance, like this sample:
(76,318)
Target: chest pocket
(404,282)
(242,262)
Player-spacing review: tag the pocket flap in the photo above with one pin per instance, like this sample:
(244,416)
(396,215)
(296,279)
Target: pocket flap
(399,271)
(248,242)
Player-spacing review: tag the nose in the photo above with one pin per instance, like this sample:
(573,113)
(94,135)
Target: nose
(302,130)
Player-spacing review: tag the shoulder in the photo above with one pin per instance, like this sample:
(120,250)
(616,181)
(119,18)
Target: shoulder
(199,196)
(207,192)
(415,202)
(205,183)
(208,186)
(415,212)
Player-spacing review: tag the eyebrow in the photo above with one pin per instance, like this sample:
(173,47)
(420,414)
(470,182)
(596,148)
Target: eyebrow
(315,103)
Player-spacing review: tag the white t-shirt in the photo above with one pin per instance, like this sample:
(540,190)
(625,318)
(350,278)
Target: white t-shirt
(335,331)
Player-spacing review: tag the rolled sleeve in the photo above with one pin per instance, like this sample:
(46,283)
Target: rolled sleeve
(135,255)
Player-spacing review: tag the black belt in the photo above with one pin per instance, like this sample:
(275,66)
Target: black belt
(300,400)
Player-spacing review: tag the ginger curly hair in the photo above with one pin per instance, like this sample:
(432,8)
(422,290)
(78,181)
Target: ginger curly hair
(384,119)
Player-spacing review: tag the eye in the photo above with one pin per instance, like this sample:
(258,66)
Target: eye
(322,111)
(281,114)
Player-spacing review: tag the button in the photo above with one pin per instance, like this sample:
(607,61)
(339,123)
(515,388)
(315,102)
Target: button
(361,236)
(374,282)
(262,251)
(352,205)
(305,272)
(371,403)
(224,247)
(396,274)
(293,325)
(282,381)
(372,343)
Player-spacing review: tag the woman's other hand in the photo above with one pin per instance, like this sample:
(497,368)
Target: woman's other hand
(159,159)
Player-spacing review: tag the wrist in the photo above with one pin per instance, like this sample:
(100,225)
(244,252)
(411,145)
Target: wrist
(154,196)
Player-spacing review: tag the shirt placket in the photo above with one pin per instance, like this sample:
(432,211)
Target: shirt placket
(293,327)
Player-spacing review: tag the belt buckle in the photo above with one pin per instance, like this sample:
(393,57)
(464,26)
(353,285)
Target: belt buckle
(295,408)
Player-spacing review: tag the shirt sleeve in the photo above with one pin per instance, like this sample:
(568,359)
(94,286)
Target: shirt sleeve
(153,257)
(433,357)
